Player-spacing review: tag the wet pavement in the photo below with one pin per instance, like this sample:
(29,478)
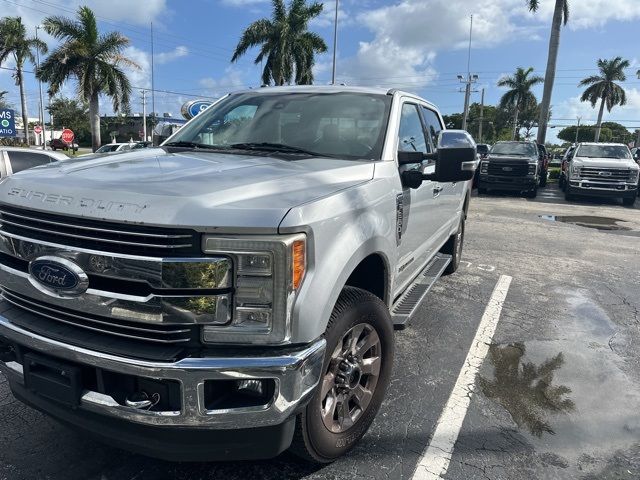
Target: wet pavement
(557,397)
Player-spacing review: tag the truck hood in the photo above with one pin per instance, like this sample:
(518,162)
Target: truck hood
(203,190)
(511,158)
(605,162)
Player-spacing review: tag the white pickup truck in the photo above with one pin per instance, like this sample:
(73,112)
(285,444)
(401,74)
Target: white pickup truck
(234,292)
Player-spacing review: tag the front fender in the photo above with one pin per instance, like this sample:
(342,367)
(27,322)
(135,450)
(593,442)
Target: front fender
(342,230)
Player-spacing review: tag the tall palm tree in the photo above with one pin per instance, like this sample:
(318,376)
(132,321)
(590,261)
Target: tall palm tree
(603,87)
(560,17)
(519,95)
(93,59)
(286,44)
(14,43)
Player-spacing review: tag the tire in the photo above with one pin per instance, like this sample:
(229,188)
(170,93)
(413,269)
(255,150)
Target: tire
(568,195)
(482,191)
(355,311)
(532,193)
(543,178)
(453,247)
(629,201)
(561,183)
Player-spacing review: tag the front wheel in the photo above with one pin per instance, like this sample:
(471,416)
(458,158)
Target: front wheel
(482,191)
(356,373)
(453,247)
(629,201)
(543,178)
(568,194)
(532,193)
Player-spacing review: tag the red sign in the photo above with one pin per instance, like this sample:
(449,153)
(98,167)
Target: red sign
(67,135)
(37,129)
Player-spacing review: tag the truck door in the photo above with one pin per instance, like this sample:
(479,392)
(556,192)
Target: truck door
(418,224)
(450,197)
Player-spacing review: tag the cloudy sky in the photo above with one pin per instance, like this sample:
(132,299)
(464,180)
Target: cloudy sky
(418,45)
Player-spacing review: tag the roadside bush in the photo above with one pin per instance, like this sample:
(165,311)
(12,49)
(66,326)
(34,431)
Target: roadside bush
(554,173)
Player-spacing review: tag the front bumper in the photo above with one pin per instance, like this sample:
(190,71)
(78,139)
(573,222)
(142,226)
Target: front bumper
(295,372)
(507,183)
(590,188)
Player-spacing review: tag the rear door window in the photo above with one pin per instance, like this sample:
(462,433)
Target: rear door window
(25,160)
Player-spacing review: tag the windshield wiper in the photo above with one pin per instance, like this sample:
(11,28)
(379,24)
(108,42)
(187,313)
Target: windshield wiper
(194,145)
(275,147)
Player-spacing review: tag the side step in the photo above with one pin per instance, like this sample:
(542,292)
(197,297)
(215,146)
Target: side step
(407,304)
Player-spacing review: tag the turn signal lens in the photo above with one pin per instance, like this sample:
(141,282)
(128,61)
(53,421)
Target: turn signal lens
(299,262)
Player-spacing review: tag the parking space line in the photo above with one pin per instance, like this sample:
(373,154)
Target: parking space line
(434,462)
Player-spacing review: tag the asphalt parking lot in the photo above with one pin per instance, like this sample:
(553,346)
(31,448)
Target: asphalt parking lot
(557,395)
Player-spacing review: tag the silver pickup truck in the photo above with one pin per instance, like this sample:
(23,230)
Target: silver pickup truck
(234,292)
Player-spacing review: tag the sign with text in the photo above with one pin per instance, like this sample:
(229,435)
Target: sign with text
(67,135)
(7,123)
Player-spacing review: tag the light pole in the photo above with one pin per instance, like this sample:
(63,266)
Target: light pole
(41,109)
(468,80)
(577,129)
(144,114)
(335,46)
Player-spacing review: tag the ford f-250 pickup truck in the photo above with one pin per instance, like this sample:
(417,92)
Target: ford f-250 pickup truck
(233,292)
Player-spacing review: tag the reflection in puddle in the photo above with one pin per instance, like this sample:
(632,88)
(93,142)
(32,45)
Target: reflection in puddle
(599,223)
(526,390)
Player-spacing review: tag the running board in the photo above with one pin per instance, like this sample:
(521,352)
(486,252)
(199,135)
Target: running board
(407,304)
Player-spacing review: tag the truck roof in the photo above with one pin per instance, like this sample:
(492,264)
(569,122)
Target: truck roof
(602,144)
(332,89)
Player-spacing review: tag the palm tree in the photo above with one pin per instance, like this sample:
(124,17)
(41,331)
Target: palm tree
(93,59)
(603,87)
(519,95)
(560,17)
(15,43)
(285,43)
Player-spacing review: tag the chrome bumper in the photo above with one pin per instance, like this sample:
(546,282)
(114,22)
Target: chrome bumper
(296,375)
(587,185)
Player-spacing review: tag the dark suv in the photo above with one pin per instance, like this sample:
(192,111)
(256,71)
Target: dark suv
(59,144)
(516,166)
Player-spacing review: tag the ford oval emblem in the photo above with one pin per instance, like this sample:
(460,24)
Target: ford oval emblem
(58,276)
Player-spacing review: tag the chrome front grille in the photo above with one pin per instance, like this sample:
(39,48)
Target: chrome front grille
(606,174)
(148,332)
(98,235)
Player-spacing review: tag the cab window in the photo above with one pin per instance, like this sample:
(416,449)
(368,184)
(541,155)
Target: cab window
(411,136)
(432,124)
(25,160)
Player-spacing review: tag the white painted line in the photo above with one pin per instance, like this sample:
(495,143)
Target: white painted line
(434,462)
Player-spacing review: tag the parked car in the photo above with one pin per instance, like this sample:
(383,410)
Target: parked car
(544,167)
(59,144)
(564,166)
(234,292)
(602,169)
(138,145)
(515,166)
(115,147)
(16,159)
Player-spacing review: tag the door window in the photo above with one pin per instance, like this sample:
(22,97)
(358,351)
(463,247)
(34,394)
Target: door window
(24,160)
(411,135)
(433,125)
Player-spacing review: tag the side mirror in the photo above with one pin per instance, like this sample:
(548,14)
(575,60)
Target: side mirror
(457,157)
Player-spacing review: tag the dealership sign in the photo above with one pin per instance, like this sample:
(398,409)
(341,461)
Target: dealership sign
(7,123)
(194,107)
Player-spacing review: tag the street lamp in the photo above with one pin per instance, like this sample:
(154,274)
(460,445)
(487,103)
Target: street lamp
(41,109)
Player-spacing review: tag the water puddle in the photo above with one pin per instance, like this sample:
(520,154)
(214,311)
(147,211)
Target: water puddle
(607,224)
(570,395)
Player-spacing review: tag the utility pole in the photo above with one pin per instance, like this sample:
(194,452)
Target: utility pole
(144,115)
(335,45)
(468,80)
(153,90)
(481,117)
(577,129)
(41,109)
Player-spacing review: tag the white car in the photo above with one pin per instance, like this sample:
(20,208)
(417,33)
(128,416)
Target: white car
(16,159)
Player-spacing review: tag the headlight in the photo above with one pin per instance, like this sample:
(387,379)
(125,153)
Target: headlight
(635,175)
(484,167)
(268,272)
(533,168)
(576,169)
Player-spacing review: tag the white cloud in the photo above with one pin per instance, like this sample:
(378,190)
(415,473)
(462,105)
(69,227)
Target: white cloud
(166,57)
(233,79)
(593,13)
(242,3)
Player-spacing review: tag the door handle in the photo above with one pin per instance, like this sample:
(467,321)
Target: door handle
(437,190)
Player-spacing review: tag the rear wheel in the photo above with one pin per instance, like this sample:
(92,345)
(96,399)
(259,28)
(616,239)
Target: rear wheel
(356,373)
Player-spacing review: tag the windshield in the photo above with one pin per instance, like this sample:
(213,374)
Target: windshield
(344,125)
(515,148)
(603,151)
